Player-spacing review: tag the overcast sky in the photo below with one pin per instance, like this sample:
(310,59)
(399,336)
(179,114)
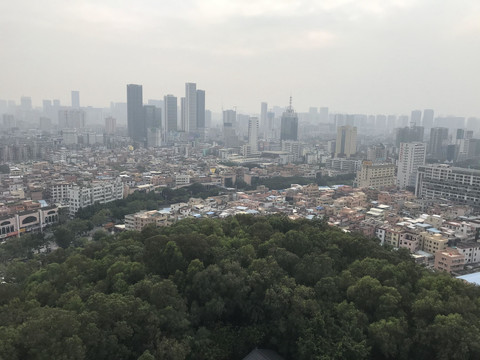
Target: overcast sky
(370,56)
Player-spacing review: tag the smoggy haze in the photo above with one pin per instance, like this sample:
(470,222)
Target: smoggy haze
(354,56)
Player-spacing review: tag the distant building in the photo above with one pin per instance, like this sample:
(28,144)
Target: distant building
(377,176)
(190,107)
(170,113)
(346,144)
(253,129)
(438,143)
(263,116)
(427,121)
(229,135)
(410,157)
(409,134)
(323,114)
(201,109)
(110,125)
(71,119)
(377,153)
(135,113)
(75,99)
(289,124)
(293,148)
(416,117)
(153,125)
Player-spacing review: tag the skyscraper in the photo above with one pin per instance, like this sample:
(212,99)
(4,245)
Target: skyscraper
(75,99)
(153,125)
(200,109)
(409,134)
(183,116)
(346,144)
(438,143)
(253,128)
(416,117)
(170,113)
(324,114)
(427,120)
(263,117)
(110,125)
(135,113)
(190,107)
(410,157)
(229,120)
(289,124)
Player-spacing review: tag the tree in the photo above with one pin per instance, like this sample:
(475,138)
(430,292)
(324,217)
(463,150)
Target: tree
(63,236)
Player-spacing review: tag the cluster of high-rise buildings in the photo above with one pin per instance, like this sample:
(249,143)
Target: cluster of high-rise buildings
(149,125)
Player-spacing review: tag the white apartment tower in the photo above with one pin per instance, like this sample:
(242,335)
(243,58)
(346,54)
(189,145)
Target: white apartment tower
(410,157)
(253,128)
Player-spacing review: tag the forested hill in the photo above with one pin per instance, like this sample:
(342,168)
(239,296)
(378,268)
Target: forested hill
(216,289)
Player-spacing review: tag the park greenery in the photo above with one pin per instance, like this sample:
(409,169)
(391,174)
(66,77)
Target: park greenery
(216,289)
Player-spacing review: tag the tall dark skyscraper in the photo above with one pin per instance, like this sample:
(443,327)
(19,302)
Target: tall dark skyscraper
(409,134)
(135,113)
(200,109)
(438,143)
(170,113)
(289,124)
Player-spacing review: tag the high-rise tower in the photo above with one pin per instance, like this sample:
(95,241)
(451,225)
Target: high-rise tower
(263,117)
(170,113)
(135,113)
(201,109)
(346,144)
(289,124)
(190,107)
(438,143)
(253,128)
(75,99)
(410,157)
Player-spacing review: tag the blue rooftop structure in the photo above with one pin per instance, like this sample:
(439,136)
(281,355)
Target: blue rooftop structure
(471,278)
(435,231)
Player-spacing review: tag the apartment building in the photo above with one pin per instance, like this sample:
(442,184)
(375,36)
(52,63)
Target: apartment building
(377,176)
(101,192)
(449,259)
(441,181)
(470,250)
(58,192)
(141,219)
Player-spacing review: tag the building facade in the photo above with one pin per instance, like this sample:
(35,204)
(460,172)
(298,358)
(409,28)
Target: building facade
(135,112)
(410,157)
(377,176)
(441,181)
(289,124)
(101,192)
(346,144)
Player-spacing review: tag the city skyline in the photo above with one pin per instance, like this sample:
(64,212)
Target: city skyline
(368,57)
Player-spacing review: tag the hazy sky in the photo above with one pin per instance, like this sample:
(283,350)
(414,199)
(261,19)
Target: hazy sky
(369,56)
